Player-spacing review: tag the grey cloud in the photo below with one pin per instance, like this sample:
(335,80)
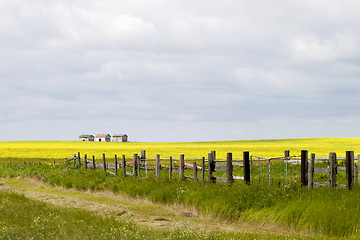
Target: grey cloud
(280,69)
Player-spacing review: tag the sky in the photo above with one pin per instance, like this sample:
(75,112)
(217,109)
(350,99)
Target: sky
(179,70)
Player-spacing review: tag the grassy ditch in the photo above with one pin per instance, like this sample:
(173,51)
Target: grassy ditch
(322,212)
(24,218)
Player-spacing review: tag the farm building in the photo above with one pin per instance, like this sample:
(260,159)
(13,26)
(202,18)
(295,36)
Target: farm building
(120,138)
(87,137)
(103,138)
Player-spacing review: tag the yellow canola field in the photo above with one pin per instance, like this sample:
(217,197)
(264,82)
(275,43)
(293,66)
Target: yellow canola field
(59,150)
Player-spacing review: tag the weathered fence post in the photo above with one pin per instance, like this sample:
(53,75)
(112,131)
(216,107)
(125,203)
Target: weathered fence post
(116,165)
(195,171)
(203,169)
(158,166)
(79,160)
(311,171)
(333,169)
(349,162)
(138,165)
(142,155)
(124,165)
(286,158)
(104,162)
(211,168)
(93,162)
(214,155)
(304,167)
(354,171)
(135,158)
(85,161)
(358,165)
(170,168)
(246,158)
(229,169)
(146,168)
(268,170)
(182,166)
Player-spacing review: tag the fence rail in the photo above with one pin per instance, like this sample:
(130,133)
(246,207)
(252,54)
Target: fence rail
(202,167)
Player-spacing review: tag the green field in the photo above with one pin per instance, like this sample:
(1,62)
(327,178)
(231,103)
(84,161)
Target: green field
(278,210)
(58,150)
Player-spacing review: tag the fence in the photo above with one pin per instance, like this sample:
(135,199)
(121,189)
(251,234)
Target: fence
(332,170)
(139,163)
(140,166)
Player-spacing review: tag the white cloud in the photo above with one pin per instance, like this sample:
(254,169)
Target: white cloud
(311,48)
(230,65)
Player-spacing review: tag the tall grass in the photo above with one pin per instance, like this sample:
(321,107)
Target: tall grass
(23,218)
(331,212)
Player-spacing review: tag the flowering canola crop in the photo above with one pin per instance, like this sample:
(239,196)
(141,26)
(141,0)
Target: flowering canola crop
(59,150)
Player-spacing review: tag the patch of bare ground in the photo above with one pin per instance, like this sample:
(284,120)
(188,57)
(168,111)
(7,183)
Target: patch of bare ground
(141,211)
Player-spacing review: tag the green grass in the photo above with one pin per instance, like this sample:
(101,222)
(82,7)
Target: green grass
(328,212)
(23,218)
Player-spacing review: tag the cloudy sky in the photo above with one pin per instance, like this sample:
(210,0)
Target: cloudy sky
(179,70)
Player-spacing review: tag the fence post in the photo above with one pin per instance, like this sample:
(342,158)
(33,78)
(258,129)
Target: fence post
(135,158)
(138,165)
(214,155)
(195,171)
(146,168)
(143,154)
(286,158)
(104,162)
(79,160)
(358,165)
(211,168)
(333,169)
(93,162)
(124,165)
(268,170)
(304,167)
(203,169)
(246,158)
(311,171)
(170,168)
(229,169)
(182,166)
(116,165)
(158,166)
(349,162)
(85,161)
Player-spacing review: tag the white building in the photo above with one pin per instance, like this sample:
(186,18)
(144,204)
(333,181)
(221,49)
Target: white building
(103,137)
(120,138)
(87,137)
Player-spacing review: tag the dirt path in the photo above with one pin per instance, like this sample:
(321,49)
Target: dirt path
(140,211)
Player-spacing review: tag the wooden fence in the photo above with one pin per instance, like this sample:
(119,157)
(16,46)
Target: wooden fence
(140,166)
(307,173)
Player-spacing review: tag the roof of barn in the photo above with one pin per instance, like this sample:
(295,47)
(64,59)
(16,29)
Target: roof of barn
(103,135)
(86,136)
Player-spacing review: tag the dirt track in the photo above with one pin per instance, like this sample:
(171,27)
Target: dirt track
(140,211)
